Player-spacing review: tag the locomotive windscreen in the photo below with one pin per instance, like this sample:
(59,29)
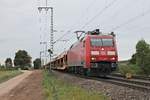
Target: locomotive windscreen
(107,42)
(101,42)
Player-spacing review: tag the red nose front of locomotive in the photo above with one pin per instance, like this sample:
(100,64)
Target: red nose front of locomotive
(103,49)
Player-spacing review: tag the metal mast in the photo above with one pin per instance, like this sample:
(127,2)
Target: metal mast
(52,35)
(46,8)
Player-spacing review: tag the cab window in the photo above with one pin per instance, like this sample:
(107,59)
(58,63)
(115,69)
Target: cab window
(101,42)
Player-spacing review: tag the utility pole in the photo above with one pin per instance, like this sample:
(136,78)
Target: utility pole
(45,51)
(51,31)
(41,58)
(50,54)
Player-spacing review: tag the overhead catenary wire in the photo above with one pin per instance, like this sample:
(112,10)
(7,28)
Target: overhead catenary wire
(99,13)
(131,20)
(105,8)
(92,19)
(90,5)
(83,14)
(118,12)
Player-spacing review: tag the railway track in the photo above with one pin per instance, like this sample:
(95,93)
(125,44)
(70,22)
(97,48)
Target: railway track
(139,84)
(134,84)
(134,77)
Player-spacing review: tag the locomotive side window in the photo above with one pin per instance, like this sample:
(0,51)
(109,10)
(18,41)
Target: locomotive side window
(107,42)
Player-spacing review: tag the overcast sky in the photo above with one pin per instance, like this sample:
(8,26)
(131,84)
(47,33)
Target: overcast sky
(22,27)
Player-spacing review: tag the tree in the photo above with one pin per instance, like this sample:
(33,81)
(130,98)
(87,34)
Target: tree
(142,49)
(37,63)
(146,68)
(8,62)
(133,59)
(22,59)
(143,56)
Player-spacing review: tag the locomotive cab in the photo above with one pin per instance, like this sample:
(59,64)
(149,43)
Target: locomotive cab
(102,53)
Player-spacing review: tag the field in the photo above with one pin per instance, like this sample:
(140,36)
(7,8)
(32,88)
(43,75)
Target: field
(56,89)
(7,74)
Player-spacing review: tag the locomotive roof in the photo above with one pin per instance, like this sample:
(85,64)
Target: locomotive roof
(102,35)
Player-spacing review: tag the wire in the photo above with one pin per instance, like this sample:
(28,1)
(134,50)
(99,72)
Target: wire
(90,5)
(62,36)
(131,20)
(119,11)
(46,3)
(87,8)
(99,13)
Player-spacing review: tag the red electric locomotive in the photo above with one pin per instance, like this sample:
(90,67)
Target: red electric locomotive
(94,54)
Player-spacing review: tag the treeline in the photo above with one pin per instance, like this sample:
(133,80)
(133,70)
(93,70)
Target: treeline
(22,60)
(142,57)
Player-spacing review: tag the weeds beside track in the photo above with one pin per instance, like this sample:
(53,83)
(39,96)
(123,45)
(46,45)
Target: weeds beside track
(56,89)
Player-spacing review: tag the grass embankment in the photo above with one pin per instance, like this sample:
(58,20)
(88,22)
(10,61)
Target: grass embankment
(126,67)
(56,89)
(7,74)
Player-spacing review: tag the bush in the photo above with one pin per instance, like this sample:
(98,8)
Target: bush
(125,69)
(146,68)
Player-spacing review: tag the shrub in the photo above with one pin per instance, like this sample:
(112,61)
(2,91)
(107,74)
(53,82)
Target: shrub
(124,69)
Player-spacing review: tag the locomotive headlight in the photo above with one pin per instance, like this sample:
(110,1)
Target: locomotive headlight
(95,53)
(93,58)
(113,58)
(111,53)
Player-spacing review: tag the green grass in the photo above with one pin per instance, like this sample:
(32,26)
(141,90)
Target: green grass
(7,74)
(129,68)
(56,89)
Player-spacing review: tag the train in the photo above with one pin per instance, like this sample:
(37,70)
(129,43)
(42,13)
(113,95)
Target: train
(94,54)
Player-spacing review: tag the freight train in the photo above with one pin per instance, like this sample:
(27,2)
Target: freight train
(94,54)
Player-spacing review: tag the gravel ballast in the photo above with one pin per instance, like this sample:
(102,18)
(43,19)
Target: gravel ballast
(114,92)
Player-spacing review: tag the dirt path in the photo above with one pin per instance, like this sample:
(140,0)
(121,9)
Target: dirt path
(30,88)
(10,84)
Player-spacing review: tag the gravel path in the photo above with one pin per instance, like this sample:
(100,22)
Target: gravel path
(28,89)
(5,87)
(114,92)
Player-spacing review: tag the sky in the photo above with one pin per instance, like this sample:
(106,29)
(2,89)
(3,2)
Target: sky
(23,27)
